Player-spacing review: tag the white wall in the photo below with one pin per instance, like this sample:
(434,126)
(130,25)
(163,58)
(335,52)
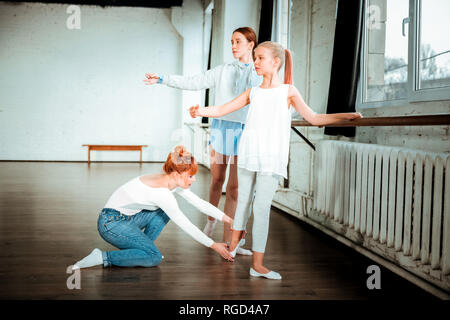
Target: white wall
(229,15)
(62,88)
(238,14)
(189,22)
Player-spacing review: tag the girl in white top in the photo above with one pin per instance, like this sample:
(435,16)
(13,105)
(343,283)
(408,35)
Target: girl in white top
(264,149)
(228,81)
(147,202)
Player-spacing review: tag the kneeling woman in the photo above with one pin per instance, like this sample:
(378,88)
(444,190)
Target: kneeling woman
(136,213)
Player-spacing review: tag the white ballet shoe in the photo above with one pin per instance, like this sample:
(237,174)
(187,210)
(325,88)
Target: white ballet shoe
(244,252)
(269,275)
(241,243)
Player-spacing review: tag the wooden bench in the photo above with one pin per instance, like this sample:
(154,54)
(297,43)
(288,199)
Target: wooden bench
(104,147)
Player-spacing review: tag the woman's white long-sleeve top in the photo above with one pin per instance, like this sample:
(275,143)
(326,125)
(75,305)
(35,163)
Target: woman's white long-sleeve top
(134,196)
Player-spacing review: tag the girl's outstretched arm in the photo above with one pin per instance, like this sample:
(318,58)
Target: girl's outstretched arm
(219,111)
(296,100)
(196,82)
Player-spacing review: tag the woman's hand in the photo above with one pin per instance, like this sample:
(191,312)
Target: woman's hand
(222,249)
(227,219)
(152,78)
(194,111)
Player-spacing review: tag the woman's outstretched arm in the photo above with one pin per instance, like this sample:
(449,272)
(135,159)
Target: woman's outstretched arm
(167,202)
(219,111)
(296,100)
(204,206)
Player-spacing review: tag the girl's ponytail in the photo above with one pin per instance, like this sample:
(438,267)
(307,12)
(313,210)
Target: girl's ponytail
(288,67)
(285,57)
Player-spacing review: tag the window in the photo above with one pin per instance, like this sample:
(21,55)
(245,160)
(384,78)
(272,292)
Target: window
(280,27)
(434,49)
(405,52)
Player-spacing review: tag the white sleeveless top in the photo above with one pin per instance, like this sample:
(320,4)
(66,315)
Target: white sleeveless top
(264,145)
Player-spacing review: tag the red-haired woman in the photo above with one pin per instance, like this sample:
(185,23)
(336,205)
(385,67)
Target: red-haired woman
(228,80)
(264,147)
(147,202)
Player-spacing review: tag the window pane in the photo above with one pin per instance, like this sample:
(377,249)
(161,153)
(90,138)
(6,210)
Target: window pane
(434,63)
(386,50)
(283,24)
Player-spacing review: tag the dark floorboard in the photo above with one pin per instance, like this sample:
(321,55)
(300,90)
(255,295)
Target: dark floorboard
(48,214)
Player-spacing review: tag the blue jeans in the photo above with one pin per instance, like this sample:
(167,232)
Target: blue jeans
(125,232)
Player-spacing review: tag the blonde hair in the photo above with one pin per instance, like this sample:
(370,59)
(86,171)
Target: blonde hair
(284,55)
(180,160)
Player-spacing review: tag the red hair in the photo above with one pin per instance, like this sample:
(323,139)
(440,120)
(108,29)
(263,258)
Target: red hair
(180,160)
(288,66)
(249,34)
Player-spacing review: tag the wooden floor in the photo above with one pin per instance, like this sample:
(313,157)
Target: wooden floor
(48,214)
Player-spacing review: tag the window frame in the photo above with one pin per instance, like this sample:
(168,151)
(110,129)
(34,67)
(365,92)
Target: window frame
(414,94)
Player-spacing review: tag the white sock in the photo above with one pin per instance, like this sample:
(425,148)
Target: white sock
(209,228)
(95,258)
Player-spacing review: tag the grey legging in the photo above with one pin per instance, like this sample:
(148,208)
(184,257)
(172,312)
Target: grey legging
(255,190)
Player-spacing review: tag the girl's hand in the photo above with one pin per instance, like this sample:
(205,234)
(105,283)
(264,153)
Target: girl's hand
(152,78)
(222,249)
(194,111)
(355,115)
(227,219)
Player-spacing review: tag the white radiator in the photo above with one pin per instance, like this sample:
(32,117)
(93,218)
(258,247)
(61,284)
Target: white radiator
(396,200)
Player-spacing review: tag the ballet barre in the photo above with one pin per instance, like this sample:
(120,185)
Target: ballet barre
(419,120)
(109,147)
